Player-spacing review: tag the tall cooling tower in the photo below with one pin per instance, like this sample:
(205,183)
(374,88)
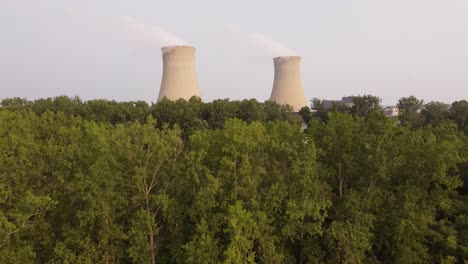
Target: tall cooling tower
(287,86)
(179,79)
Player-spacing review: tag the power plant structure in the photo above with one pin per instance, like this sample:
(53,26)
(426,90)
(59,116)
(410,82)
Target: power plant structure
(179,79)
(287,84)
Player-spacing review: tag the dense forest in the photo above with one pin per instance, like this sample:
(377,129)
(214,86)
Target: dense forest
(232,182)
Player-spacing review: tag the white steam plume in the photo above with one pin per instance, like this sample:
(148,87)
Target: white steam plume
(263,42)
(148,35)
(273,46)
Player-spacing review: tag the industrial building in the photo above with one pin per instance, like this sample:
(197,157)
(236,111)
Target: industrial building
(287,84)
(347,100)
(179,79)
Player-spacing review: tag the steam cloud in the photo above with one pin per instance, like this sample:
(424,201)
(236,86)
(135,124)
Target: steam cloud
(273,46)
(147,35)
(263,42)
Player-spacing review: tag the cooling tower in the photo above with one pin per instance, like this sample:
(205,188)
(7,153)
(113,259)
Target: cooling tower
(179,79)
(287,86)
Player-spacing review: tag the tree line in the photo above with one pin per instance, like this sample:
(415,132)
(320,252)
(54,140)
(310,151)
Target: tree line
(232,182)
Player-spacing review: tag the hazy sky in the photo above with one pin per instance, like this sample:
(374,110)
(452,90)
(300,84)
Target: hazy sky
(111,48)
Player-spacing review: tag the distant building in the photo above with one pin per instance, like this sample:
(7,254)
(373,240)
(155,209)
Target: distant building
(391,111)
(327,104)
(347,100)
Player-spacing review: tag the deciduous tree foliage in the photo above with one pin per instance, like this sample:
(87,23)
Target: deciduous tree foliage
(409,108)
(231,182)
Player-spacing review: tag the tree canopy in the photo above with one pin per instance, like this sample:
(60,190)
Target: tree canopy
(232,182)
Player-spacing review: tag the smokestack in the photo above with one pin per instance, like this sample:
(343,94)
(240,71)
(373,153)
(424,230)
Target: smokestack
(287,86)
(179,79)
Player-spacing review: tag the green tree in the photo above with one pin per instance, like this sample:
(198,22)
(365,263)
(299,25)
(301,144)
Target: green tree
(459,114)
(14,103)
(409,111)
(349,237)
(305,114)
(365,105)
(151,157)
(435,113)
(242,231)
(203,247)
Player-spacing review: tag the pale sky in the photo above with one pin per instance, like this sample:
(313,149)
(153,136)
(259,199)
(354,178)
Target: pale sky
(111,48)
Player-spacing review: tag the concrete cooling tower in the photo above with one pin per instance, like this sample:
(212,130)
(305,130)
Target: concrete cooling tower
(287,85)
(179,79)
